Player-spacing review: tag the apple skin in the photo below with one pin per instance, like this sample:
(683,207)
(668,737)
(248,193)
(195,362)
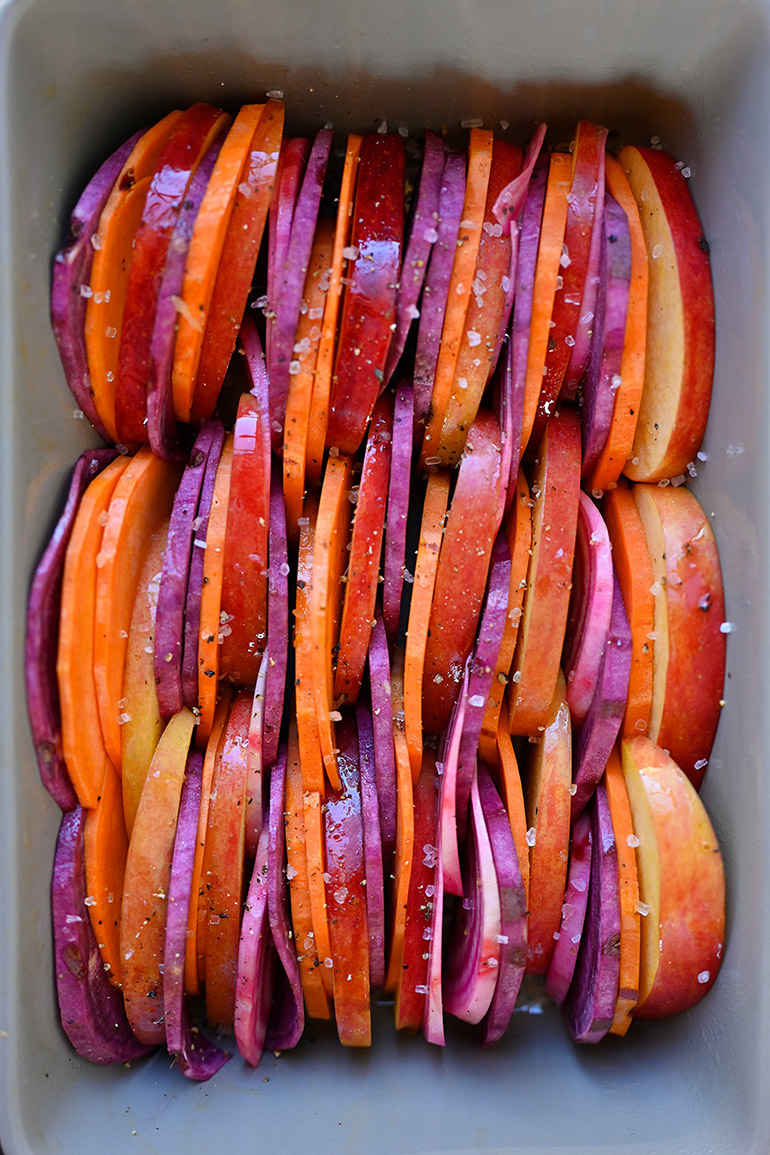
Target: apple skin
(681,880)
(463,567)
(689,655)
(555,490)
(679,367)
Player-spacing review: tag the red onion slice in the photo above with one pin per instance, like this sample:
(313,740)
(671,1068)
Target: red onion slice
(285,1028)
(473,955)
(509,204)
(590,1004)
(433,1014)
(192,604)
(255,764)
(589,609)
(422,236)
(434,297)
(72,271)
(198,1058)
(277,620)
(573,911)
(175,574)
(91,1009)
(450,850)
(375,882)
(256,964)
(161,422)
(291,161)
(42,637)
(482,670)
(609,332)
(382,727)
(602,725)
(412,988)
(529,240)
(289,273)
(513,910)
(397,514)
(582,347)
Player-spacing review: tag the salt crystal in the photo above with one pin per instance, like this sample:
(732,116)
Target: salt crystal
(686,172)
(327,878)
(295,367)
(275,94)
(704,976)
(462,383)
(340,894)
(427,934)
(472,122)
(86,291)
(328,963)
(335,716)
(402,130)
(382,127)
(350,253)
(492,963)
(504,124)
(559,283)
(642,908)
(502,939)
(476,700)
(655,589)
(701,764)
(701,455)
(657,251)
(111,332)
(531,836)
(632,841)
(616,381)
(565,260)
(726,628)
(572,789)
(517,676)
(413,313)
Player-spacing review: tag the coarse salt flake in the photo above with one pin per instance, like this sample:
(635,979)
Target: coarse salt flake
(726,628)
(704,976)
(632,841)
(531,836)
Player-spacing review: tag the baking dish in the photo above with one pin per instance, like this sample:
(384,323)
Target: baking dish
(76,80)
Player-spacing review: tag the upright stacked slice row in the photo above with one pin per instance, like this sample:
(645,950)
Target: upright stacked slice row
(389,658)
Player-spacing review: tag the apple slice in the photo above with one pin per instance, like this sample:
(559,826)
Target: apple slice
(689,657)
(555,489)
(194,134)
(141,720)
(369,308)
(145,889)
(463,566)
(681,883)
(679,365)
(243,610)
(584,215)
(365,552)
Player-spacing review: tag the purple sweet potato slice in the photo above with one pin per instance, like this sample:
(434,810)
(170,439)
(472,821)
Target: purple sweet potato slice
(71,274)
(42,637)
(91,1009)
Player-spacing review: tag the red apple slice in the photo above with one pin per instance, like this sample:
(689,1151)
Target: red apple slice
(679,365)
(681,883)
(145,889)
(555,490)
(243,610)
(369,308)
(194,134)
(584,214)
(365,552)
(471,527)
(689,657)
